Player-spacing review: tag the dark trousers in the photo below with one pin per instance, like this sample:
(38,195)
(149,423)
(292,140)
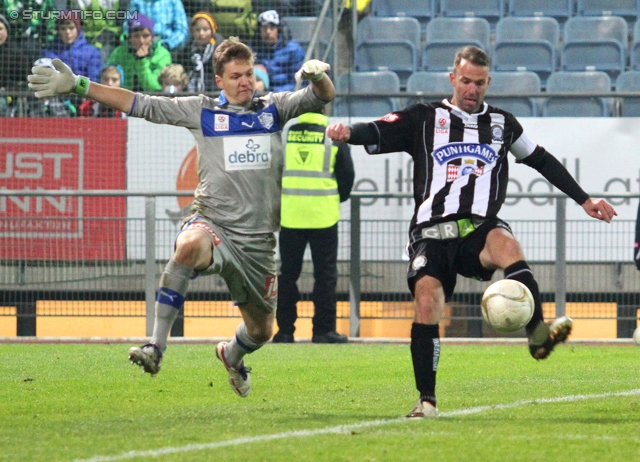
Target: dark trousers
(324,255)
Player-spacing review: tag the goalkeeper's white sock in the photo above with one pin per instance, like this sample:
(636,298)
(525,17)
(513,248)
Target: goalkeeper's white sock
(241,345)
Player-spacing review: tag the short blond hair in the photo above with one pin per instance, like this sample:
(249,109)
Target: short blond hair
(232,49)
(173,74)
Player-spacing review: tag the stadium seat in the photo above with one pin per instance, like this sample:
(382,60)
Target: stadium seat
(512,83)
(595,44)
(634,54)
(526,44)
(436,85)
(403,8)
(446,35)
(387,44)
(628,9)
(302,29)
(560,10)
(577,82)
(491,10)
(629,81)
(367,91)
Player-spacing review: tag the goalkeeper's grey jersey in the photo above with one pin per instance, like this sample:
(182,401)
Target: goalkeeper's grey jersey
(240,152)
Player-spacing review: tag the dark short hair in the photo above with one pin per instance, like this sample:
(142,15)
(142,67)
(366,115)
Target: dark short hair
(232,49)
(472,54)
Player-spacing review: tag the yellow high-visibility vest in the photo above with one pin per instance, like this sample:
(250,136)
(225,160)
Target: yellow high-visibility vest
(310,198)
(360,4)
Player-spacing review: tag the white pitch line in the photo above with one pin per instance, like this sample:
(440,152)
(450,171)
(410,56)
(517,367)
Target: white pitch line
(344,428)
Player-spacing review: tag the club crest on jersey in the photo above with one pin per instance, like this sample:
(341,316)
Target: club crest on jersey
(497,134)
(451,151)
(266,119)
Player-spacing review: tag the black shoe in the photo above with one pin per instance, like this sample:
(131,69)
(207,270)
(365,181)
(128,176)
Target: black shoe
(330,337)
(283,338)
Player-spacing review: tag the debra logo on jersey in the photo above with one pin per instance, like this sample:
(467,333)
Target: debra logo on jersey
(243,153)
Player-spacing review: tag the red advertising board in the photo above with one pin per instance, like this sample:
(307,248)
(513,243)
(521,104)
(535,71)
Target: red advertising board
(62,154)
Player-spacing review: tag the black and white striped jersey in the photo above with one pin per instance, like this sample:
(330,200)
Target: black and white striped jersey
(460,160)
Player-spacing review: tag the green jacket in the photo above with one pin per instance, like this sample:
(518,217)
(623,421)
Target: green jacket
(141,74)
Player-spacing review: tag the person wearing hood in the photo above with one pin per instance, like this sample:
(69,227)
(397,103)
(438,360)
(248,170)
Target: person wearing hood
(141,58)
(281,56)
(71,47)
(196,57)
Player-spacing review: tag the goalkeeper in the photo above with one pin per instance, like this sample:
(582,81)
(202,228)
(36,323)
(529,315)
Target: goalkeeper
(236,211)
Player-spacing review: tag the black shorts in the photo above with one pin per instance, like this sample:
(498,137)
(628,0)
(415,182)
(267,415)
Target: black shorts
(444,259)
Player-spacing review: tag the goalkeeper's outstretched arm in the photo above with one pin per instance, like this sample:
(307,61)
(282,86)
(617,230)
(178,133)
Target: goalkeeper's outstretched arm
(47,82)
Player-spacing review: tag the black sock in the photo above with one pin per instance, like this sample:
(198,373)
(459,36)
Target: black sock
(521,272)
(425,353)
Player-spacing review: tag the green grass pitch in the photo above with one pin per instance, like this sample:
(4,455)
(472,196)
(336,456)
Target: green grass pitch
(61,402)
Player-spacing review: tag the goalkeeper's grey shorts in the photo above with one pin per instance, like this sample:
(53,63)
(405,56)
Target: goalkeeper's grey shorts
(246,263)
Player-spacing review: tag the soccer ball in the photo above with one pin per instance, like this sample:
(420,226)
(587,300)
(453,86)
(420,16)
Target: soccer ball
(507,305)
(636,336)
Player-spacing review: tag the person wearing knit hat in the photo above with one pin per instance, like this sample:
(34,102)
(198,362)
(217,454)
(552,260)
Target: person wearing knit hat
(197,56)
(69,18)
(281,56)
(140,22)
(141,58)
(72,47)
(171,26)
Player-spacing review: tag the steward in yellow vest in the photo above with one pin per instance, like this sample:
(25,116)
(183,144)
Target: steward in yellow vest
(318,175)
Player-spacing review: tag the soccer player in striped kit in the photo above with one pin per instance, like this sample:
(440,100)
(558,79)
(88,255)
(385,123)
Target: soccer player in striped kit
(459,147)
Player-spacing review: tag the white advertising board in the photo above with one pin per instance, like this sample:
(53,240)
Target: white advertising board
(600,152)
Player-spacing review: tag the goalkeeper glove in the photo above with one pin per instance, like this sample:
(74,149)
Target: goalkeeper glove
(312,70)
(48,82)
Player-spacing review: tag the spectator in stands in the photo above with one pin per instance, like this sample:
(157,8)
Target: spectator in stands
(141,59)
(281,56)
(173,79)
(111,76)
(72,48)
(170,21)
(15,64)
(197,55)
(40,31)
(99,30)
(262,78)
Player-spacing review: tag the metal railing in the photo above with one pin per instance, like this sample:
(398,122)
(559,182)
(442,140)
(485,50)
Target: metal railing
(355,264)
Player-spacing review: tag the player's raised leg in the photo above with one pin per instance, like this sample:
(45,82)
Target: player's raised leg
(504,251)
